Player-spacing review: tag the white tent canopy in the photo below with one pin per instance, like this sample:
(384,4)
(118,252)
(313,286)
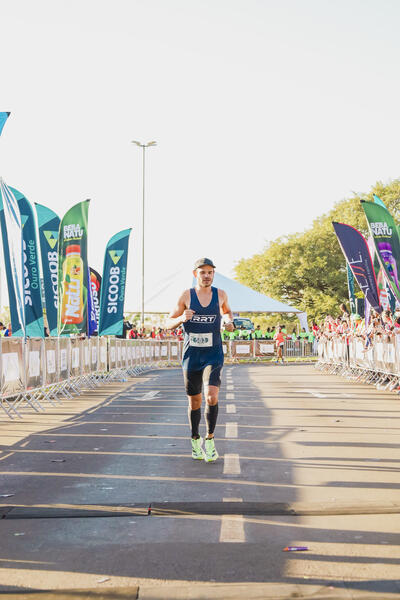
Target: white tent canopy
(244,299)
(164,296)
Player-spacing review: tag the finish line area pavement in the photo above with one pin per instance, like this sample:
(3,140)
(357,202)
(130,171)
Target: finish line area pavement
(109,503)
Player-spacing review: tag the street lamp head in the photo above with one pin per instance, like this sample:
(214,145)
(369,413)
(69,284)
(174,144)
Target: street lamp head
(152,143)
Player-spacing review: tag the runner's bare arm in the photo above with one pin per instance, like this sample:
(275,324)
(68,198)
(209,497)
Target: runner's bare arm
(181,312)
(226,311)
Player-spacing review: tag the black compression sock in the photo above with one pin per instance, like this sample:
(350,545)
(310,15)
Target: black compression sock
(211,415)
(194,421)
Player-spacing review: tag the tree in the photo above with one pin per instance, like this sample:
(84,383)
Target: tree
(308,269)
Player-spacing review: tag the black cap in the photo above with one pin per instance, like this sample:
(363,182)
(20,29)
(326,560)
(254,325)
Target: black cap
(203,261)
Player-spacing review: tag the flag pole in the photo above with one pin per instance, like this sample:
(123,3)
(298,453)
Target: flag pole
(3,118)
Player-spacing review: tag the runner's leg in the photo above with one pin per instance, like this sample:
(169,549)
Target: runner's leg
(278,353)
(194,414)
(212,382)
(193,386)
(211,412)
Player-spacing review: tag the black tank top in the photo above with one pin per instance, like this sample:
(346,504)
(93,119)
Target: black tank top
(202,342)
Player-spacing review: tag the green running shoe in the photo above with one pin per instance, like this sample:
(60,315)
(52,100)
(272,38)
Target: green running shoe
(197,450)
(211,452)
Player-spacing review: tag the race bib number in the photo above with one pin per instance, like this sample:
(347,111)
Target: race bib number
(201,340)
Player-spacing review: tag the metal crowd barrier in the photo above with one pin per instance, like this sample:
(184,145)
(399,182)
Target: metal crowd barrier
(256,350)
(375,361)
(35,372)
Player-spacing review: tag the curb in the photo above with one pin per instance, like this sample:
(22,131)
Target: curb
(215,591)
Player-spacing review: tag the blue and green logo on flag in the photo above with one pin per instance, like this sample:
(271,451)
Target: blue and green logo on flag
(49,224)
(113,284)
(11,229)
(21,259)
(32,289)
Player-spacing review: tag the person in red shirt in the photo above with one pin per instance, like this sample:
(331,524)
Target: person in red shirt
(280,342)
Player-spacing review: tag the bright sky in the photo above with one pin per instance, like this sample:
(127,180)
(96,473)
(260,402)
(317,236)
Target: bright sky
(265,113)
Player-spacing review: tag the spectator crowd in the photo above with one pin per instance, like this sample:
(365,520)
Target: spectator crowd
(133,332)
(269,333)
(376,327)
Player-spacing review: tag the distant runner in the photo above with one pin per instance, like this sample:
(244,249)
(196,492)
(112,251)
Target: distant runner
(200,310)
(280,342)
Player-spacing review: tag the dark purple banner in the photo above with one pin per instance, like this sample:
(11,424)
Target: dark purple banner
(355,248)
(94,300)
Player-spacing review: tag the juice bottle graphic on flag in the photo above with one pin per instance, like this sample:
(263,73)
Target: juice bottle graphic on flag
(72,301)
(72,271)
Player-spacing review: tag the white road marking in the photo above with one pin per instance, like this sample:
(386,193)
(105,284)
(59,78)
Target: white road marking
(149,395)
(231,430)
(231,464)
(6,456)
(232,526)
(231,408)
(230,396)
(229,387)
(314,393)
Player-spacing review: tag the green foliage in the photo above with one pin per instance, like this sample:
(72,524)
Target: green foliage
(133,318)
(308,269)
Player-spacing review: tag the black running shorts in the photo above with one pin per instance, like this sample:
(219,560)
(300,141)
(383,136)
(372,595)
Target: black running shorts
(194,380)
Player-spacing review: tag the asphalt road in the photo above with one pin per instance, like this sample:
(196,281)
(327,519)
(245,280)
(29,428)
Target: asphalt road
(111,498)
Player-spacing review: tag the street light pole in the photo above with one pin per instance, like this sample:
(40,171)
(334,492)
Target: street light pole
(143,146)
(143,180)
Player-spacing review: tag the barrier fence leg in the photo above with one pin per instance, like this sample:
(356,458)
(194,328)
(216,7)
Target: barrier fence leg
(29,399)
(11,409)
(50,395)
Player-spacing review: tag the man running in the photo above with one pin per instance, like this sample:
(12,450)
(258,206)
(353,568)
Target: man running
(200,310)
(280,342)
